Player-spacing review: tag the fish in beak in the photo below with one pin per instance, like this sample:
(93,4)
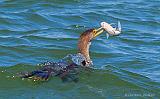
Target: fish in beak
(112,31)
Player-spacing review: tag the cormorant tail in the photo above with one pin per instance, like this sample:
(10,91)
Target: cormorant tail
(37,75)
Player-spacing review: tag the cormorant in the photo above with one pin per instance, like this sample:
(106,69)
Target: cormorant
(68,67)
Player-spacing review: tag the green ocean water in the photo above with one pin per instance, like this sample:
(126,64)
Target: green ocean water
(126,66)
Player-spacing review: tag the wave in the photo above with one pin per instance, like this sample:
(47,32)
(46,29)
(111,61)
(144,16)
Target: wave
(107,82)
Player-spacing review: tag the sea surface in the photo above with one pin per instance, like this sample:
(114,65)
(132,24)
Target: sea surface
(126,66)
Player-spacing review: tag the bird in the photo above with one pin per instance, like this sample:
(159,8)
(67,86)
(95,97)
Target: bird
(68,67)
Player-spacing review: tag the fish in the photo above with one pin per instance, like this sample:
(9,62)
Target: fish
(112,31)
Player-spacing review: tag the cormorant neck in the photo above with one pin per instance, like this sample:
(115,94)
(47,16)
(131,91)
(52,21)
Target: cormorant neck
(83,47)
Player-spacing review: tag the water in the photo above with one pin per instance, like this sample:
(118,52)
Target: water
(127,66)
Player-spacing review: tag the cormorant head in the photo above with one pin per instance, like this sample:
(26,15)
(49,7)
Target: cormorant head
(84,43)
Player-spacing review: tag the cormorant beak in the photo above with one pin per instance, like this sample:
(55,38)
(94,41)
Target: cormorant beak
(98,31)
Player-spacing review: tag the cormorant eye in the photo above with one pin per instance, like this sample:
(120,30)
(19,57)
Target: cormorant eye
(94,31)
(84,63)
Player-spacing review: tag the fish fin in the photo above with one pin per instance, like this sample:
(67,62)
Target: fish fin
(119,26)
(107,35)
